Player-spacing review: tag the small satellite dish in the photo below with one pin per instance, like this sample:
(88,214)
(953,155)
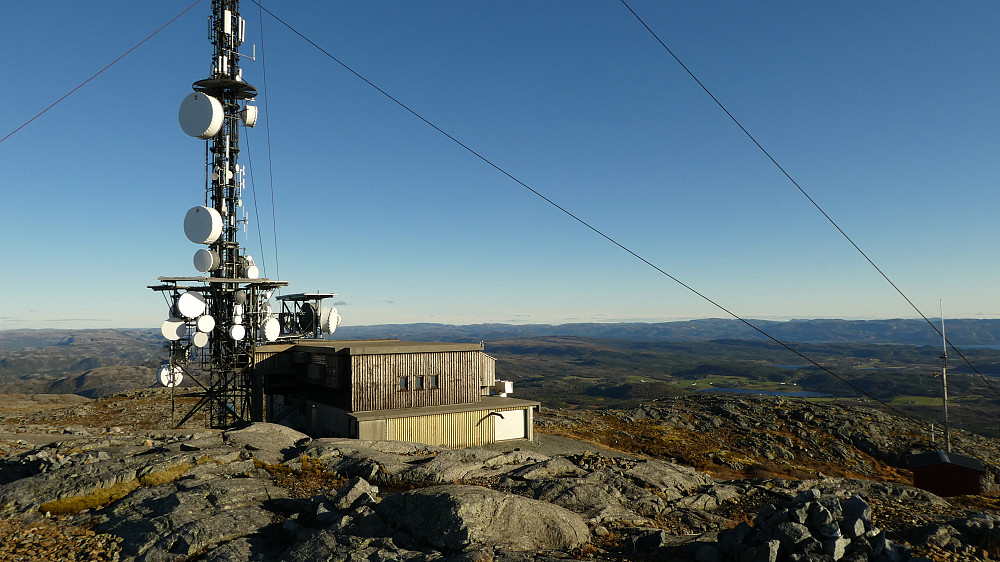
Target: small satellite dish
(203,225)
(271,329)
(172,329)
(249,115)
(191,304)
(200,115)
(328,320)
(237,319)
(237,332)
(206,260)
(200,339)
(267,295)
(252,272)
(205,323)
(238,310)
(169,376)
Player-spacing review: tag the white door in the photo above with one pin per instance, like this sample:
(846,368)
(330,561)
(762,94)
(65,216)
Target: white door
(510,426)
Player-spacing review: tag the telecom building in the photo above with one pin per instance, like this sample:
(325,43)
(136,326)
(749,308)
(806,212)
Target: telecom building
(435,393)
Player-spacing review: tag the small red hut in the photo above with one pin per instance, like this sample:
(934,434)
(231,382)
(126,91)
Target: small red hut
(947,474)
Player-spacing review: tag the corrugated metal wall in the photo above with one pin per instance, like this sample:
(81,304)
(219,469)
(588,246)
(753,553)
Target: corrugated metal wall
(263,355)
(375,379)
(459,429)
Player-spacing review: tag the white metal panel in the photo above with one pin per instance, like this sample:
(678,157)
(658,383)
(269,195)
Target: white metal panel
(510,426)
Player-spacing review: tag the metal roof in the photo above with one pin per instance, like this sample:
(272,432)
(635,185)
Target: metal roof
(373,347)
(932,458)
(299,297)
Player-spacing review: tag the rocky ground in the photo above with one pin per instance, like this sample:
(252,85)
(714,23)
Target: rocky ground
(702,478)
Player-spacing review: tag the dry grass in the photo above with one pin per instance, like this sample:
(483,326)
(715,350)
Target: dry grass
(164,476)
(718,452)
(94,500)
(101,497)
(310,479)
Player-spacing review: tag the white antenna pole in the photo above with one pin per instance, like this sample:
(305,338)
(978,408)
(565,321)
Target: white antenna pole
(944,382)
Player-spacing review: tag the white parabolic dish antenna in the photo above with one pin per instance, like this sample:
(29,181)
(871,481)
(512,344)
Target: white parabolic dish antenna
(203,225)
(249,115)
(329,320)
(206,260)
(205,323)
(200,339)
(200,115)
(169,377)
(237,332)
(191,304)
(271,329)
(172,329)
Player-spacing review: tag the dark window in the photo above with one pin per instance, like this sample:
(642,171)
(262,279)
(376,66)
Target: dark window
(432,381)
(418,383)
(404,383)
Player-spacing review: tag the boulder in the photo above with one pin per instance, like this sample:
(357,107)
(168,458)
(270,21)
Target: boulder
(675,481)
(355,493)
(461,518)
(269,442)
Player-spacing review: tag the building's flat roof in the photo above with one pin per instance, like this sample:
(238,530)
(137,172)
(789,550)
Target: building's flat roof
(487,403)
(372,347)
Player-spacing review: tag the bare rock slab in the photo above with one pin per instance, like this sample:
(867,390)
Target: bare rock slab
(460,518)
(269,442)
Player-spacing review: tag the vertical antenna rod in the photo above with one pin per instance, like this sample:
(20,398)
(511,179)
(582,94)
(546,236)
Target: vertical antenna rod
(944,383)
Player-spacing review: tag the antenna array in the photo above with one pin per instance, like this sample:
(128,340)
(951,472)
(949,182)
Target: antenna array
(217,320)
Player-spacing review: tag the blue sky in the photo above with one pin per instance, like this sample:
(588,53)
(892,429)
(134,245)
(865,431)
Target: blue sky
(884,112)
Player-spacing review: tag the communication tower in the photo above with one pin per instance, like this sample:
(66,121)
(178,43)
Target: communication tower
(217,319)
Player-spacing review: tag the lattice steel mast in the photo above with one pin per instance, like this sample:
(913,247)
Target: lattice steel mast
(216,321)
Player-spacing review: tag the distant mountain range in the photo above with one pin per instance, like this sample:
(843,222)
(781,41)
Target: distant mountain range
(961,332)
(101,361)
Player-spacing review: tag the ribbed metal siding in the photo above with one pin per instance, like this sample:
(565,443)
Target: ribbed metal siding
(330,371)
(459,429)
(272,356)
(262,356)
(375,379)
